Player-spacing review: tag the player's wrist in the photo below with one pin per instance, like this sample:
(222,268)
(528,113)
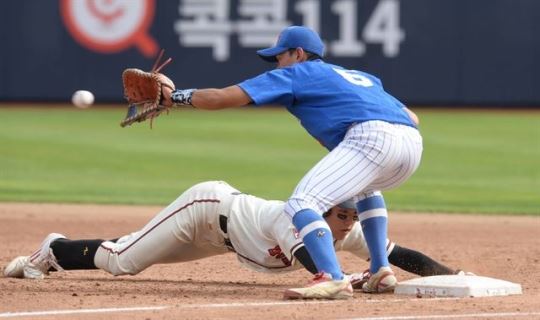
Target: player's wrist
(182,97)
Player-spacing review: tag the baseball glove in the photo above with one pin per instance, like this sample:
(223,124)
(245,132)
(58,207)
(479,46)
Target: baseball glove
(144,92)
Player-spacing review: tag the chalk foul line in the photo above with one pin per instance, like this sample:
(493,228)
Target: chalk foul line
(262,304)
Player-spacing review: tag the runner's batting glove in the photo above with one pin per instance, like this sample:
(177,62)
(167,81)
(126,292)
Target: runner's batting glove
(358,279)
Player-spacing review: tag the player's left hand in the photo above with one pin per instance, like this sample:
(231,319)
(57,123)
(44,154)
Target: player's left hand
(148,93)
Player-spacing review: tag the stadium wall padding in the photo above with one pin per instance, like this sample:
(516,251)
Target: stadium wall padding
(427,52)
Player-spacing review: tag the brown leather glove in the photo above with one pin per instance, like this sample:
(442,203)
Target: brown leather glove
(144,93)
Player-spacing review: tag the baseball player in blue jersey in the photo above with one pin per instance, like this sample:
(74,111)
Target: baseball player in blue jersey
(372,138)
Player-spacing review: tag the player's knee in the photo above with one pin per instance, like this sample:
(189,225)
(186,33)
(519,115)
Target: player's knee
(110,261)
(116,270)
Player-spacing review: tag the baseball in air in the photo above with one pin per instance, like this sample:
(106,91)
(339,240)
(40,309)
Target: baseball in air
(82,99)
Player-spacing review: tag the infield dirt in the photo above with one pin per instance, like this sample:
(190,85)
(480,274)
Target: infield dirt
(502,247)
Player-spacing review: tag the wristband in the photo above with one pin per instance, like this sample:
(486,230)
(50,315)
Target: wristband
(182,97)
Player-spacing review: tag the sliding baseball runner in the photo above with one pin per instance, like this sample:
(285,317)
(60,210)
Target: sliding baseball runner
(212,218)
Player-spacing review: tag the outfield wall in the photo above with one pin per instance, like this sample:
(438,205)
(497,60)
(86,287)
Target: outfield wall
(429,52)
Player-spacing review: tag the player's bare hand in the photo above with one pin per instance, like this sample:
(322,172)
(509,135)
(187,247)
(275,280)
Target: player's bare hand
(166,90)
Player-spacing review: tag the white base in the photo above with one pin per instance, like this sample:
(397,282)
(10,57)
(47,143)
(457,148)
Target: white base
(457,286)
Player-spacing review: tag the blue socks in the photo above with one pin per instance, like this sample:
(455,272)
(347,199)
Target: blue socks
(374,221)
(319,242)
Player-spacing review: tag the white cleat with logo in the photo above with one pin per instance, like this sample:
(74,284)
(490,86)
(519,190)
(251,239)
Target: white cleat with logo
(322,287)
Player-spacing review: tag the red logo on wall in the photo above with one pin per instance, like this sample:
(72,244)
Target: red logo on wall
(109,26)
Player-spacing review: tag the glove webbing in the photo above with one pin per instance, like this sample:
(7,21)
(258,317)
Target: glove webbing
(155,68)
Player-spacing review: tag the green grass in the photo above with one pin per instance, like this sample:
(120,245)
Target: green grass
(473,161)
(477,162)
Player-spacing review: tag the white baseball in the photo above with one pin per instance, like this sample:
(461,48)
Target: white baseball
(82,99)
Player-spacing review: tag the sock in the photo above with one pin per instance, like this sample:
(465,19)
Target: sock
(302,255)
(374,221)
(75,254)
(318,241)
(417,262)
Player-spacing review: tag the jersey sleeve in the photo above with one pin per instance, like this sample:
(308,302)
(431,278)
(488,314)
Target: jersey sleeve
(272,87)
(286,235)
(355,243)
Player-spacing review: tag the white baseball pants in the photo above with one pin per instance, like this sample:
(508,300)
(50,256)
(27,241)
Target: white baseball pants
(373,156)
(188,229)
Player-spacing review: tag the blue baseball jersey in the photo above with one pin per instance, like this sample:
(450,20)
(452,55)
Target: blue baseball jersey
(326,98)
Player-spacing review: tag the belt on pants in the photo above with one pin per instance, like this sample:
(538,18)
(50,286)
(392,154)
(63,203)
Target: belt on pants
(223,221)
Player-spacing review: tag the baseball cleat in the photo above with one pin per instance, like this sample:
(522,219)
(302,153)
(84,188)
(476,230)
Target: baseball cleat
(322,287)
(380,282)
(38,264)
(15,268)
